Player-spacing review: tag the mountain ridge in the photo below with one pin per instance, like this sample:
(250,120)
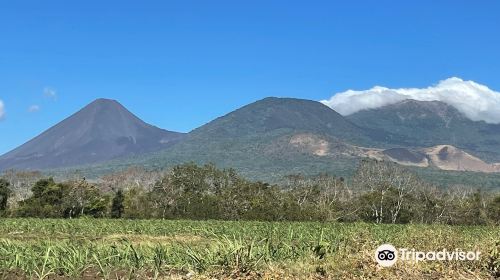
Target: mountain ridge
(412,123)
(272,137)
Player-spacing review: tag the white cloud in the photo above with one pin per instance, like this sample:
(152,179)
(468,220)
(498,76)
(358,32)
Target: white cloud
(34,108)
(50,93)
(474,100)
(2,110)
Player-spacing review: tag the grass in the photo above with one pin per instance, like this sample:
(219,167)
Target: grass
(138,249)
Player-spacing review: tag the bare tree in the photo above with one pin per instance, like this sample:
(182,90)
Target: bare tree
(387,185)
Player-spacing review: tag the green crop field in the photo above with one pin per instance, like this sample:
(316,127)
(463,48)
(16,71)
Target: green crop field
(156,249)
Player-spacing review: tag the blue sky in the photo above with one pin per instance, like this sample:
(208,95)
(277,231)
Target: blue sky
(179,64)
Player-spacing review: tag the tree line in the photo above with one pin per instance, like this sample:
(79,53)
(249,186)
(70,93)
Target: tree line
(379,192)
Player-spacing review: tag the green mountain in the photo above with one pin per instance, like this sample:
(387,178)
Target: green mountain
(412,123)
(273,136)
(277,116)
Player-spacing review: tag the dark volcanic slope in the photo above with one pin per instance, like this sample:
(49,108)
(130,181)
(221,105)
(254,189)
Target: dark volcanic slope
(101,131)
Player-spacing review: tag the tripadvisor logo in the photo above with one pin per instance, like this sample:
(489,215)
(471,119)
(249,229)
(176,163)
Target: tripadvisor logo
(386,255)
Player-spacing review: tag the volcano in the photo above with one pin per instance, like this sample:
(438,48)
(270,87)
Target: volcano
(101,131)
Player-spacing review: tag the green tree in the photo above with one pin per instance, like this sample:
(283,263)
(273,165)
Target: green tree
(493,210)
(47,201)
(5,193)
(117,206)
(137,204)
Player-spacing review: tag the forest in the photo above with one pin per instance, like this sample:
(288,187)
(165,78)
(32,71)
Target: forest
(379,192)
